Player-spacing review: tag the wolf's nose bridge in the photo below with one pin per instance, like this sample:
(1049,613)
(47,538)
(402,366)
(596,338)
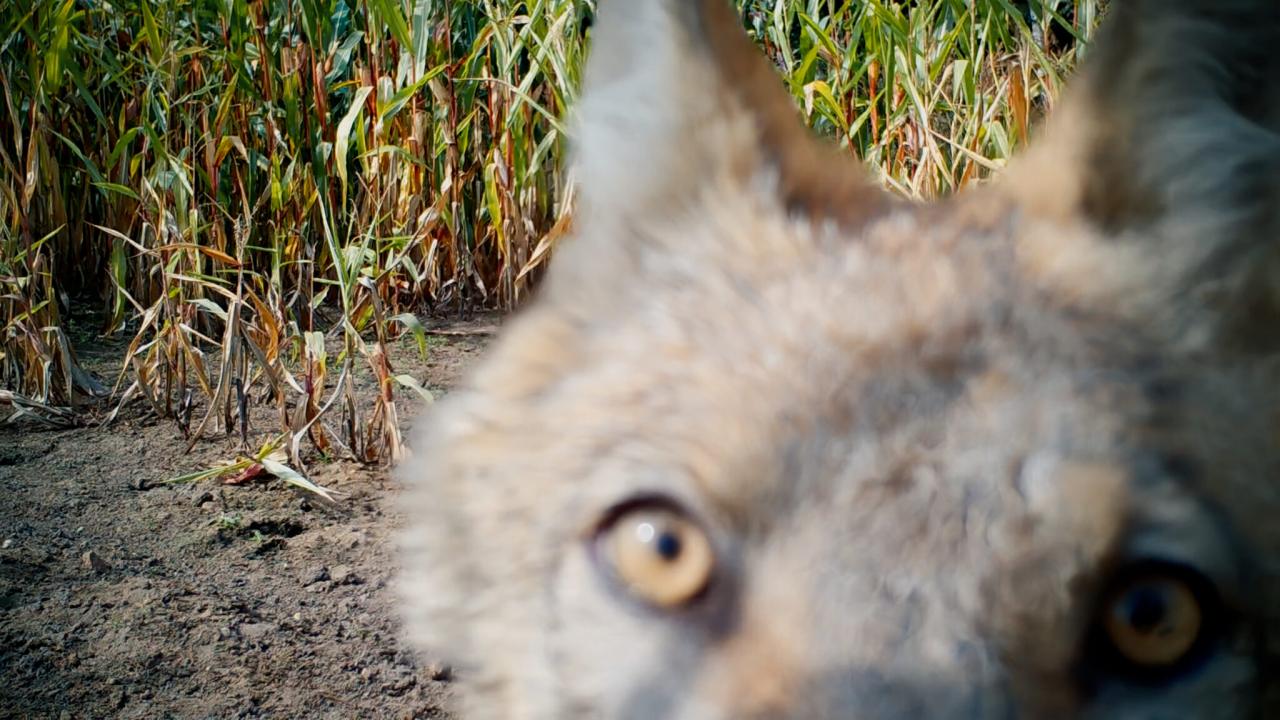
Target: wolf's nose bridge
(816,646)
(892,689)
(882,694)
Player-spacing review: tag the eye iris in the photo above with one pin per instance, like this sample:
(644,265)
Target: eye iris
(1155,622)
(659,555)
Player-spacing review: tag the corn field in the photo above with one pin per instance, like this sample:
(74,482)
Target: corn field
(263,194)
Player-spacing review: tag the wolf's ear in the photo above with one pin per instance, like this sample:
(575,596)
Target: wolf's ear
(1167,147)
(677,103)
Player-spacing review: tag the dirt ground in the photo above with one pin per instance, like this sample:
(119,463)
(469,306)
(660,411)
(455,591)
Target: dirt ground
(124,596)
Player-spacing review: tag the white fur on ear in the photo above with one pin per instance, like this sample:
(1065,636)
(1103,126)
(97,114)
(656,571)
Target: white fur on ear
(638,121)
(680,111)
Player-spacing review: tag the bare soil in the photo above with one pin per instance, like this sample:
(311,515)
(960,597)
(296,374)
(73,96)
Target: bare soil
(122,595)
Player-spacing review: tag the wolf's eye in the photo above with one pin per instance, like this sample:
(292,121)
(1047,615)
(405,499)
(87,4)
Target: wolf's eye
(1158,618)
(660,555)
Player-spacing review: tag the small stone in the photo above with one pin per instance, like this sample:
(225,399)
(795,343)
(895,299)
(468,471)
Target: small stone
(440,672)
(256,631)
(94,562)
(319,574)
(202,498)
(297,616)
(344,575)
(8,543)
(398,686)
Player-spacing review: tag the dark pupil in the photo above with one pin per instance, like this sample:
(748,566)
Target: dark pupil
(668,546)
(1146,609)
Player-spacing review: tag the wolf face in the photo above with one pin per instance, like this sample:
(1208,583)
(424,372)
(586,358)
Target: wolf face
(773,444)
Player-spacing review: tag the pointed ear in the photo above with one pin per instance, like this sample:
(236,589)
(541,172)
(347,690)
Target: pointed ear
(1167,148)
(677,102)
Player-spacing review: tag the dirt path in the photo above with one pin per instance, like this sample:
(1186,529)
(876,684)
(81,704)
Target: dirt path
(122,596)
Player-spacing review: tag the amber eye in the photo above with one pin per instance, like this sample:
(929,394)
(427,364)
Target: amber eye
(661,556)
(1154,621)
(1158,619)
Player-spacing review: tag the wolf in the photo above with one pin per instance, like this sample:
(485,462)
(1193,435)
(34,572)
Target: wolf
(773,443)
